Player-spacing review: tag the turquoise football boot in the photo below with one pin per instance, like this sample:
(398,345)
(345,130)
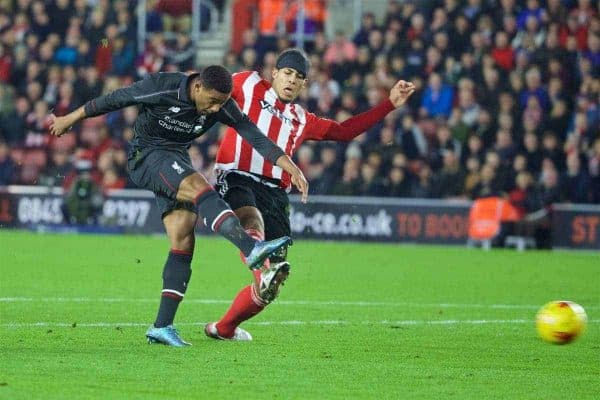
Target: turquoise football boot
(166,335)
(263,249)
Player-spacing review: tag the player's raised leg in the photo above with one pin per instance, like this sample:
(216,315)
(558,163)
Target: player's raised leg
(252,299)
(218,216)
(269,278)
(177,271)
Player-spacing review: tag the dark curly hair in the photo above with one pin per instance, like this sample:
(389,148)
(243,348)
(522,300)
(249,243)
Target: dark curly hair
(216,77)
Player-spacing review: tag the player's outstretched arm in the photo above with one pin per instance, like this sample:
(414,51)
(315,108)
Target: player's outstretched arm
(358,124)
(61,125)
(146,91)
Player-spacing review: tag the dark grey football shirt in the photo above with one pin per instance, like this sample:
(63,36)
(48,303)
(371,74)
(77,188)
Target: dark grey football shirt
(169,119)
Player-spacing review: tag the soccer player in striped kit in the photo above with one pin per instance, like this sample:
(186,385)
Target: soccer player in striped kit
(256,189)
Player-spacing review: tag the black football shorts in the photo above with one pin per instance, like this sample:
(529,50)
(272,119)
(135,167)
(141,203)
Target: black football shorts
(161,171)
(272,202)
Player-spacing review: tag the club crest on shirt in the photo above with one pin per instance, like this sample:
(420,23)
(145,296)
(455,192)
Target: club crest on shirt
(177,168)
(269,107)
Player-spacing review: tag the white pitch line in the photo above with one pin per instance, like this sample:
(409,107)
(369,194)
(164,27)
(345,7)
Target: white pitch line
(282,302)
(292,322)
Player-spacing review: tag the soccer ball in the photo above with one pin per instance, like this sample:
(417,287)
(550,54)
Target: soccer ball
(560,322)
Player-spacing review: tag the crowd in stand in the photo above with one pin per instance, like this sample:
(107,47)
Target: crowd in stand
(507,101)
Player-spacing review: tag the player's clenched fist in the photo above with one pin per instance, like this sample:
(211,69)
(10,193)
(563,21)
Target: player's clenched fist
(400,93)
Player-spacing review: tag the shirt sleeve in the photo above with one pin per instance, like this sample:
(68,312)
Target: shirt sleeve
(327,129)
(230,114)
(146,91)
(238,82)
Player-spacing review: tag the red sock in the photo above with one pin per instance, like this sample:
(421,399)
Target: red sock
(245,306)
(247,303)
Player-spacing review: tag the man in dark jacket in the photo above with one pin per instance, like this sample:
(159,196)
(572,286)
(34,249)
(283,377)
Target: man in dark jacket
(175,109)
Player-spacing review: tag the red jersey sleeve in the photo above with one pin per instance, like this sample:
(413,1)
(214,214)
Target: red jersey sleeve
(316,127)
(327,129)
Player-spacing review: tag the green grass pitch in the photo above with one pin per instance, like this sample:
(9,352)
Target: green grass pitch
(354,321)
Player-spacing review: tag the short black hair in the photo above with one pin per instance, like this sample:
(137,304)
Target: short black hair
(216,77)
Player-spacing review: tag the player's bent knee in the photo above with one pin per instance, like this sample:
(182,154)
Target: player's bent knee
(250,218)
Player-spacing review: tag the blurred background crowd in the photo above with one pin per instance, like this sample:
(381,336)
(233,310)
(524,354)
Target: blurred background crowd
(507,101)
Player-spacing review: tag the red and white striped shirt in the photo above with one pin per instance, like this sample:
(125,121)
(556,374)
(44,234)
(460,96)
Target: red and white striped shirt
(286,124)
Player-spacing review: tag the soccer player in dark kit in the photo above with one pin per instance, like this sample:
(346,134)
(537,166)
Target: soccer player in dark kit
(175,109)
(256,189)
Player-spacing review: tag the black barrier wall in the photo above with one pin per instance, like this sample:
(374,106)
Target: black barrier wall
(576,226)
(376,219)
(323,218)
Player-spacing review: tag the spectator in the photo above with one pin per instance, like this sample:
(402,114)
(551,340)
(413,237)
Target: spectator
(525,197)
(437,99)
(340,50)
(8,168)
(348,186)
(575,181)
(503,53)
(533,81)
(551,149)
(122,57)
(13,124)
(532,153)
(423,187)
(183,53)
(37,126)
(59,168)
(445,142)
(487,186)
(594,169)
(449,181)
(473,165)
(398,183)
(83,201)
(329,171)
(412,140)
(370,184)
(460,36)
(361,38)
(505,146)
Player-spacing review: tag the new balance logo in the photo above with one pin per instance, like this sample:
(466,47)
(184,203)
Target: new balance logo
(177,168)
(175,109)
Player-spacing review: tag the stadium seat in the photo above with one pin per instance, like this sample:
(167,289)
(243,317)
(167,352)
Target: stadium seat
(485,220)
